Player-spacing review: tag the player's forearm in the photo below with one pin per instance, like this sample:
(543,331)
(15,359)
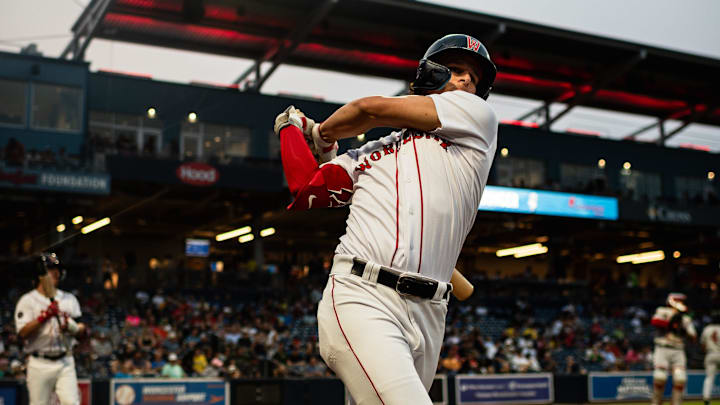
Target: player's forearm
(29,328)
(349,120)
(367,113)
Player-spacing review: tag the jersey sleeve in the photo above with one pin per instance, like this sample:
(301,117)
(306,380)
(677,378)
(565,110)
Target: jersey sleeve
(75,311)
(24,313)
(466,119)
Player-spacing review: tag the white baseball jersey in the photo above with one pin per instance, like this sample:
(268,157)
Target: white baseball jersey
(667,337)
(416,194)
(710,338)
(48,338)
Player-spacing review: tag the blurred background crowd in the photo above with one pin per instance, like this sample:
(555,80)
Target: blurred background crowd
(264,326)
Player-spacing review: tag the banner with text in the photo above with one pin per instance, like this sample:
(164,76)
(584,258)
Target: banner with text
(71,182)
(196,391)
(504,389)
(527,201)
(632,386)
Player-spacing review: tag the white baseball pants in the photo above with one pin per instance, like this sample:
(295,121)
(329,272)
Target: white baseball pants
(384,346)
(711,363)
(45,376)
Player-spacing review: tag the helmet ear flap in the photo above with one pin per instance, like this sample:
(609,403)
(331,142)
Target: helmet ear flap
(430,76)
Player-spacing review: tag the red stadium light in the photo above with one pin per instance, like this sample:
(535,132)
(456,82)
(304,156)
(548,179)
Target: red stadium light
(695,147)
(122,73)
(583,132)
(520,123)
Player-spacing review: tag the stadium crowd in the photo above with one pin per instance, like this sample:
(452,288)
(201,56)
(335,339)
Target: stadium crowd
(269,329)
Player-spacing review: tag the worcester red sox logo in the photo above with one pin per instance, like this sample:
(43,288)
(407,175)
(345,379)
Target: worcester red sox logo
(472,43)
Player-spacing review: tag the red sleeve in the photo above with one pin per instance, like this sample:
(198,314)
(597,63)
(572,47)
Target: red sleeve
(312,186)
(659,323)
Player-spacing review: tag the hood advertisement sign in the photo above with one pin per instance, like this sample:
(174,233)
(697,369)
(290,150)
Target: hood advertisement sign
(197,174)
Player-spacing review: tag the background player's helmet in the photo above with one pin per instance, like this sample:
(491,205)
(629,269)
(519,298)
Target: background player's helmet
(677,301)
(45,261)
(431,75)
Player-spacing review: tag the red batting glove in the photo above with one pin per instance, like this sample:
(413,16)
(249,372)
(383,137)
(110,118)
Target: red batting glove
(51,311)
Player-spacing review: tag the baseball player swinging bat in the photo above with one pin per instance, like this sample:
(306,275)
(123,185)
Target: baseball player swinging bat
(462,288)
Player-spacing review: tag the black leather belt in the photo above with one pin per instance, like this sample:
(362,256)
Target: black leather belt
(403,284)
(49,356)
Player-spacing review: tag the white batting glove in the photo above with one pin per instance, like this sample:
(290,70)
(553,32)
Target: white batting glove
(326,151)
(288,117)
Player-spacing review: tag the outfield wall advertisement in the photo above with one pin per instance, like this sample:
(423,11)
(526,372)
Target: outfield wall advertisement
(635,386)
(504,389)
(196,391)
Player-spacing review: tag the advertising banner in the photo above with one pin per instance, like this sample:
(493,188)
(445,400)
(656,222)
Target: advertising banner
(631,386)
(8,395)
(196,391)
(71,182)
(504,389)
(526,201)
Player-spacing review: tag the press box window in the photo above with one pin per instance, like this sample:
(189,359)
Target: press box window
(13,103)
(518,172)
(56,107)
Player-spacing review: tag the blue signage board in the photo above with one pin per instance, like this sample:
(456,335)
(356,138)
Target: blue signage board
(71,182)
(631,386)
(8,396)
(196,391)
(504,389)
(527,201)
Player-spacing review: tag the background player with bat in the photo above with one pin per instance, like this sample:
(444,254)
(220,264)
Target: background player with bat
(413,198)
(44,320)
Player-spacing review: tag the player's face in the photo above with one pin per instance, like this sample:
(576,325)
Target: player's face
(465,72)
(54,272)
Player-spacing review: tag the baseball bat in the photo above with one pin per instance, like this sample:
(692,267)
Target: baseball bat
(462,288)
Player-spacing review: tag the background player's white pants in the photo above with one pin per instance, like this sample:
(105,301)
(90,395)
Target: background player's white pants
(385,347)
(45,376)
(711,363)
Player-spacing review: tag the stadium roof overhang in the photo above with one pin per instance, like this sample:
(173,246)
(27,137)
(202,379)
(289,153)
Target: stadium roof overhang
(385,38)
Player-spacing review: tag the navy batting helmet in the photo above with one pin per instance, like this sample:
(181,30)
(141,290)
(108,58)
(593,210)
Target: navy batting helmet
(45,261)
(431,75)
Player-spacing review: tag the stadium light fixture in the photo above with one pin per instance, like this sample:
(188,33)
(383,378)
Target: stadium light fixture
(60,228)
(78,219)
(518,249)
(267,232)
(361,137)
(627,165)
(232,234)
(539,251)
(504,152)
(711,175)
(246,238)
(601,163)
(151,113)
(192,117)
(95,225)
(676,254)
(644,257)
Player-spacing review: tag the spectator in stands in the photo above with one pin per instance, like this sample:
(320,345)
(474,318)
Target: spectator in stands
(14,153)
(172,369)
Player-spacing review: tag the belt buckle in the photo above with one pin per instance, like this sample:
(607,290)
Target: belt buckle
(401,287)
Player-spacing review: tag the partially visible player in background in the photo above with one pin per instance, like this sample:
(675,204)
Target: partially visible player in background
(710,340)
(674,327)
(44,321)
